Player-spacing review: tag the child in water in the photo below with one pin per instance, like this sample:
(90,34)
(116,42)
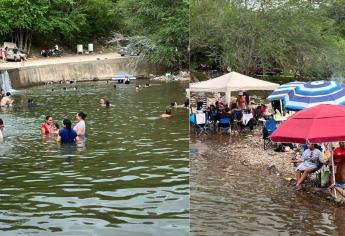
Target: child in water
(55,128)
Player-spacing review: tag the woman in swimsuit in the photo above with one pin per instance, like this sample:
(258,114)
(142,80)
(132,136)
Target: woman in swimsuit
(47,126)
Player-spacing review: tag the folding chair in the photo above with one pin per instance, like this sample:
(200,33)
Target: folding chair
(236,120)
(269,127)
(200,123)
(224,125)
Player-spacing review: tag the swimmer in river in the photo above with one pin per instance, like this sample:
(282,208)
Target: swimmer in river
(108,104)
(47,126)
(167,114)
(7,100)
(102,101)
(55,128)
(31,103)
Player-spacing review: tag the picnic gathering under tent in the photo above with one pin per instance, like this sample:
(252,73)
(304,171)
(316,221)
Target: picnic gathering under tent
(231,82)
(317,118)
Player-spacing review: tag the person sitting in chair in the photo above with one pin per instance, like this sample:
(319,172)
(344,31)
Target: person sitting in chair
(224,118)
(311,158)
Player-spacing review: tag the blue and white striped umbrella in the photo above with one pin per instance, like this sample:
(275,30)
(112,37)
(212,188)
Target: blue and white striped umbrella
(282,91)
(314,93)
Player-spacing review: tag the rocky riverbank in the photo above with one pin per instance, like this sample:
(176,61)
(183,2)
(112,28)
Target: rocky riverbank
(247,150)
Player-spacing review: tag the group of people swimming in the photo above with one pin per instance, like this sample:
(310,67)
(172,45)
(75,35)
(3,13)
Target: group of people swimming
(67,134)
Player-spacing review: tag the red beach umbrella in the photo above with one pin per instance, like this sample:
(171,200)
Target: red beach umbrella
(318,124)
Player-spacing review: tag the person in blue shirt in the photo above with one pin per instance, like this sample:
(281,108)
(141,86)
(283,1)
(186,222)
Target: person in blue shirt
(67,134)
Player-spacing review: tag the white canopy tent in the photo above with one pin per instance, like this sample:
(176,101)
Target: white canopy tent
(232,81)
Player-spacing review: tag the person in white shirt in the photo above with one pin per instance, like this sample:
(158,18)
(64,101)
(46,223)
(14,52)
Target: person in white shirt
(80,127)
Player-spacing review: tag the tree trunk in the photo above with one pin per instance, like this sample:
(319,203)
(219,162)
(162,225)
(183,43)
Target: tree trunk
(29,43)
(22,37)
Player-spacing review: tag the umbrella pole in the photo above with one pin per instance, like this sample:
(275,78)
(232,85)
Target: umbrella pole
(281,107)
(228,98)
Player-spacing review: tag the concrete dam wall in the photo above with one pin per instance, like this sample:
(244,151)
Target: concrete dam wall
(80,71)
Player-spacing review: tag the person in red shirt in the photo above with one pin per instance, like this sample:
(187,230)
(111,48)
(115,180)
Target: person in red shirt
(339,153)
(47,126)
(241,101)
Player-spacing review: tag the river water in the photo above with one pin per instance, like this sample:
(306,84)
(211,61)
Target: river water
(228,198)
(130,178)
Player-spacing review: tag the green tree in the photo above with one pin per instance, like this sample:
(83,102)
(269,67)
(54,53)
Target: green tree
(253,37)
(164,22)
(22,18)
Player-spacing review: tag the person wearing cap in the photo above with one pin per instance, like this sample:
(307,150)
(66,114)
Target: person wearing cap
(241,101)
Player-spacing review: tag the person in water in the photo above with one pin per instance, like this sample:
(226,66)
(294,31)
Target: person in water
(80,127)
(31,103)
(7,100)
(55,128)
(108,104)
(2,126)
(167,114)
(67,134)
(102,101)
(47,126)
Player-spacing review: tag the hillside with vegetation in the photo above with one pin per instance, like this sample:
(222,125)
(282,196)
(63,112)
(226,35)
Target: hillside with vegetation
(269,37)
(42,24)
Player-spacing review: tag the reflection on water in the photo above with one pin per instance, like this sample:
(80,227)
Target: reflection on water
(228,198)
(130,176)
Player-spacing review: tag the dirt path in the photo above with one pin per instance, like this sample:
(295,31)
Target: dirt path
(59,60)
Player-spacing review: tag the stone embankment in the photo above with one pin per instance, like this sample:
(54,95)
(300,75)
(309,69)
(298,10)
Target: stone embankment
(79,68)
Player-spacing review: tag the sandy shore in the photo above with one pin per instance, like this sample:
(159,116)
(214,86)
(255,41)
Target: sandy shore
(59,60)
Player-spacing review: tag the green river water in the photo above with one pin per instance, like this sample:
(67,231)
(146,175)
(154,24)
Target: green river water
(131,178)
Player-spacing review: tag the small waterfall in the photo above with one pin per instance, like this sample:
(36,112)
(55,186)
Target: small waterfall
(5,82)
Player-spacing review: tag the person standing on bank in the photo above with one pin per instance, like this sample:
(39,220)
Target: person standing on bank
(80,127)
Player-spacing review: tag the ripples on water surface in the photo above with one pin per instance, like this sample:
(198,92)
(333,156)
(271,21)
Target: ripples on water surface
(232,199)
(132,176)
